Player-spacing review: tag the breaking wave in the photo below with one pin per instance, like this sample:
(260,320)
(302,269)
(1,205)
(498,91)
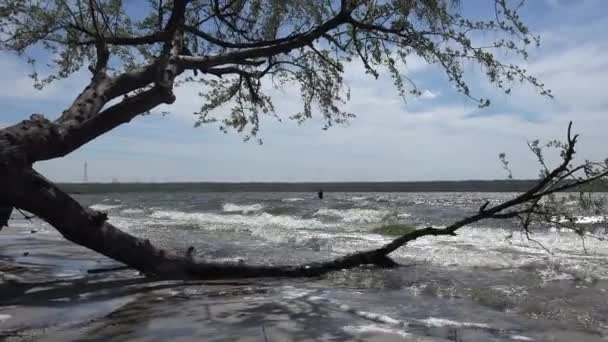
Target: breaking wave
(292,199)
(587,219)
(242,208)
(105,207)
(259,220)
(352,215)
(492,247)
(132,211)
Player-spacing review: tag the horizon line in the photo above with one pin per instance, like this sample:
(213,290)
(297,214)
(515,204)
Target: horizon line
(302,182)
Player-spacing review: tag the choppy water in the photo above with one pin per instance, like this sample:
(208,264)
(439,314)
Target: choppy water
(487,283)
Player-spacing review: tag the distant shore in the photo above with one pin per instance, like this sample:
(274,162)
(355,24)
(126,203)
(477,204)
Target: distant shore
(515,185)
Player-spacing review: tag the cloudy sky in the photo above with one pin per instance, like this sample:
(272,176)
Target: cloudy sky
(439,136)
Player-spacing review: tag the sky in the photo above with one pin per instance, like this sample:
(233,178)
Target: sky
(440,135)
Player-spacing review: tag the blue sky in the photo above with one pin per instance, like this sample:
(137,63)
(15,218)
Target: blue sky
(439,136)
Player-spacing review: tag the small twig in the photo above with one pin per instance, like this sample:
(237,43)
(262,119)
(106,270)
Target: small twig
(527,232)
(483,207)
(25,216)
(599,238)
(582,237)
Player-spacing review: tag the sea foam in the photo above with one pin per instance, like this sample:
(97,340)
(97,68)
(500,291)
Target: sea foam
(242,208)
(354,214)
(105,207)
(259,220)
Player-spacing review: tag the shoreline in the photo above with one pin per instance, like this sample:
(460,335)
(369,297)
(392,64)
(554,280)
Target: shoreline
(478,285)
(47,295)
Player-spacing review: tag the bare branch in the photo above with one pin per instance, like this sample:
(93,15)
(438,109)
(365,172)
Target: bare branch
(154,38)
(202,63)
(160,14)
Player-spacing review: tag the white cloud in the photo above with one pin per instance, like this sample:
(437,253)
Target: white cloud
(577,76)
(16,85)
(428,94)
(435,138)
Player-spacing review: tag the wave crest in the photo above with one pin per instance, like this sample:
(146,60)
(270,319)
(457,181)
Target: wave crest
(105,207)
(260,220)
(242,208)
(352,215)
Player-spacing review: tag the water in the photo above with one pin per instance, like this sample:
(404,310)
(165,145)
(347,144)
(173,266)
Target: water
(487,283)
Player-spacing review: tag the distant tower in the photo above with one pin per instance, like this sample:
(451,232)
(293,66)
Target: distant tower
(86,173)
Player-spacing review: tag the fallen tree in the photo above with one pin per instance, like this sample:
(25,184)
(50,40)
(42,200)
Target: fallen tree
(135,68)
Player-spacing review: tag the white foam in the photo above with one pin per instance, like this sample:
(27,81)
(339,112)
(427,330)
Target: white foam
(4,317)
(372,316)
(374,238)
(105,207)
(292,199)
(374,328)
(590,219)
(132,211)
(594,219)
(489,247)
(259,220)
(242,208)
(65,274)
(520,338)
(358,198)
(290,292)
(442,322)
(122,222)
(354,214)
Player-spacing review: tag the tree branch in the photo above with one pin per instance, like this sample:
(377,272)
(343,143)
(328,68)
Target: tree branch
(157,37)
(206,62)
(39,139)
(225,44)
